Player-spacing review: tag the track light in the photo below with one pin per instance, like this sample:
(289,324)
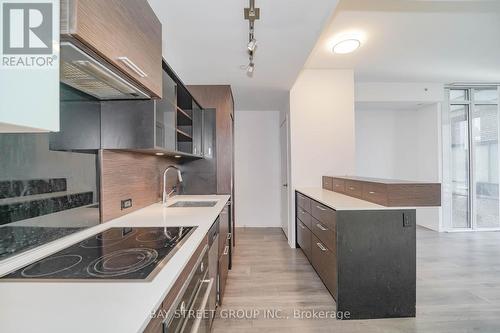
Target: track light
(250,68)
(252,44)
(251,14)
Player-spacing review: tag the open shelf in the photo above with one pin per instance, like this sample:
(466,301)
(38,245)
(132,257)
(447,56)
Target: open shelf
(183,118)
(183,136)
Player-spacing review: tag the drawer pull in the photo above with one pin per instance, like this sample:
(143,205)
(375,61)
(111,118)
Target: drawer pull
(228,236)
(352,188)
(371,192)
(321,247)
(320,208)
(130,64)
(226,250)
(301,226)
(338,185)
(321,227)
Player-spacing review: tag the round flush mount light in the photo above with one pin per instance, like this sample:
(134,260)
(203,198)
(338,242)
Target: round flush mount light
(346,46)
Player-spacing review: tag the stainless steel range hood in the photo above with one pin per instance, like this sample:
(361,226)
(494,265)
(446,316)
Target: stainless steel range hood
(93,77)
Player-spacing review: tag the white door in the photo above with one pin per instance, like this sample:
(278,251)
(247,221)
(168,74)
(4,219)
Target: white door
(284,176)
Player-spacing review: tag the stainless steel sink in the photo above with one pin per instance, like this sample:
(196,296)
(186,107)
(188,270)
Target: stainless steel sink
(192,204)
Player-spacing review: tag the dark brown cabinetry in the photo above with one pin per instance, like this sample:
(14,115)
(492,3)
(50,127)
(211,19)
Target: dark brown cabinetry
(126,33)
(304,238)
(386,192)
(220,98)
(316,236)
(324,260)
(224,250)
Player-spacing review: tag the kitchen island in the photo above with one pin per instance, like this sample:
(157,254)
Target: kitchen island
(102,306)
(364,253)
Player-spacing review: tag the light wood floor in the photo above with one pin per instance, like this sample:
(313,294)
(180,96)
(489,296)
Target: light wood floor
(458,287)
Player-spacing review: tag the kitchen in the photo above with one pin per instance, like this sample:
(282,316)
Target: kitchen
(175,171)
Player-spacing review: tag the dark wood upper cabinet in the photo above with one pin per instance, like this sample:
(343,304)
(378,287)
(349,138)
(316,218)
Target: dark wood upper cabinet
(126,33)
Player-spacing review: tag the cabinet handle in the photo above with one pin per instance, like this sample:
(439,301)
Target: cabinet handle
(130,64)
(320,208)
(228,236)
(301,226)
(371,192)
(351,188)
(337,185)
(226,250)
(321,247)
(320,226)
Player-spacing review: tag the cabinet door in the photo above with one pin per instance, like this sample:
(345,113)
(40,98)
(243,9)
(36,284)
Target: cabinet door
(223,270)
(197,130)
(324,260)
(165,130)
(223,229)
(209,128)
(304,238)
(126,33)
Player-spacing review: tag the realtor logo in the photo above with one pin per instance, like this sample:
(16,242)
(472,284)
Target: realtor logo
(27,28)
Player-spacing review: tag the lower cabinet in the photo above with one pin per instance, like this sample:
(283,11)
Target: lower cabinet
(324,261)
(304,238)
(223,271)
(318,239)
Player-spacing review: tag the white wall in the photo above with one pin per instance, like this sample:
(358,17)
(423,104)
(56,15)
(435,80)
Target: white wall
(401,144)
(424,92)
(257,168)
(322,138)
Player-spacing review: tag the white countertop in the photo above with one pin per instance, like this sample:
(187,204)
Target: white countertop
(340,201)
(101,306)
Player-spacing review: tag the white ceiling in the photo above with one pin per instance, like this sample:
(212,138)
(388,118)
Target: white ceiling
(416,40)
(205,43)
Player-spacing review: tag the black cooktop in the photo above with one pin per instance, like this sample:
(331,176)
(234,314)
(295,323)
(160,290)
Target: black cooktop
(115,254)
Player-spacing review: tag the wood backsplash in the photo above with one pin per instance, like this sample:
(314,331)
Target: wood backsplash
(132,175)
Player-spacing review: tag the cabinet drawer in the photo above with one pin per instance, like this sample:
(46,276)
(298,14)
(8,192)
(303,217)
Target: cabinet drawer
(223,270)
(304,217)
(323,214)
(304,202)
(324,260)
(304,238)
(328,183)
(354,188)
(326,235)
(339,185)
(376,193)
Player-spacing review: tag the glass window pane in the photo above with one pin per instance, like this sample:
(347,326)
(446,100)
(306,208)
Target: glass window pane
(460,165)
(485,95)
(485,152)
(458,95)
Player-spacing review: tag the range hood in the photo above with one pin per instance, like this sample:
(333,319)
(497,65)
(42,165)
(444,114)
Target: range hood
(93,77)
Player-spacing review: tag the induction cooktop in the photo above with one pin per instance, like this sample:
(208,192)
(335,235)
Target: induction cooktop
(114,254)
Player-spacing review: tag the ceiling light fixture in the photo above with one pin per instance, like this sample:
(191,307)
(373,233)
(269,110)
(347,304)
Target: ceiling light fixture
(346,46)
(251,14)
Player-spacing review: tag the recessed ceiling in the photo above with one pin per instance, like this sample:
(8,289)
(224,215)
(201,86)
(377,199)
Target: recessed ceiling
(416,40)
(206,42)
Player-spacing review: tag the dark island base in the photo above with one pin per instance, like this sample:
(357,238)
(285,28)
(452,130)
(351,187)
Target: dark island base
(376,263)
(366,258)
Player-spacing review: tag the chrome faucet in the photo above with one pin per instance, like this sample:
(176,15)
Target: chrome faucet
(166,195)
